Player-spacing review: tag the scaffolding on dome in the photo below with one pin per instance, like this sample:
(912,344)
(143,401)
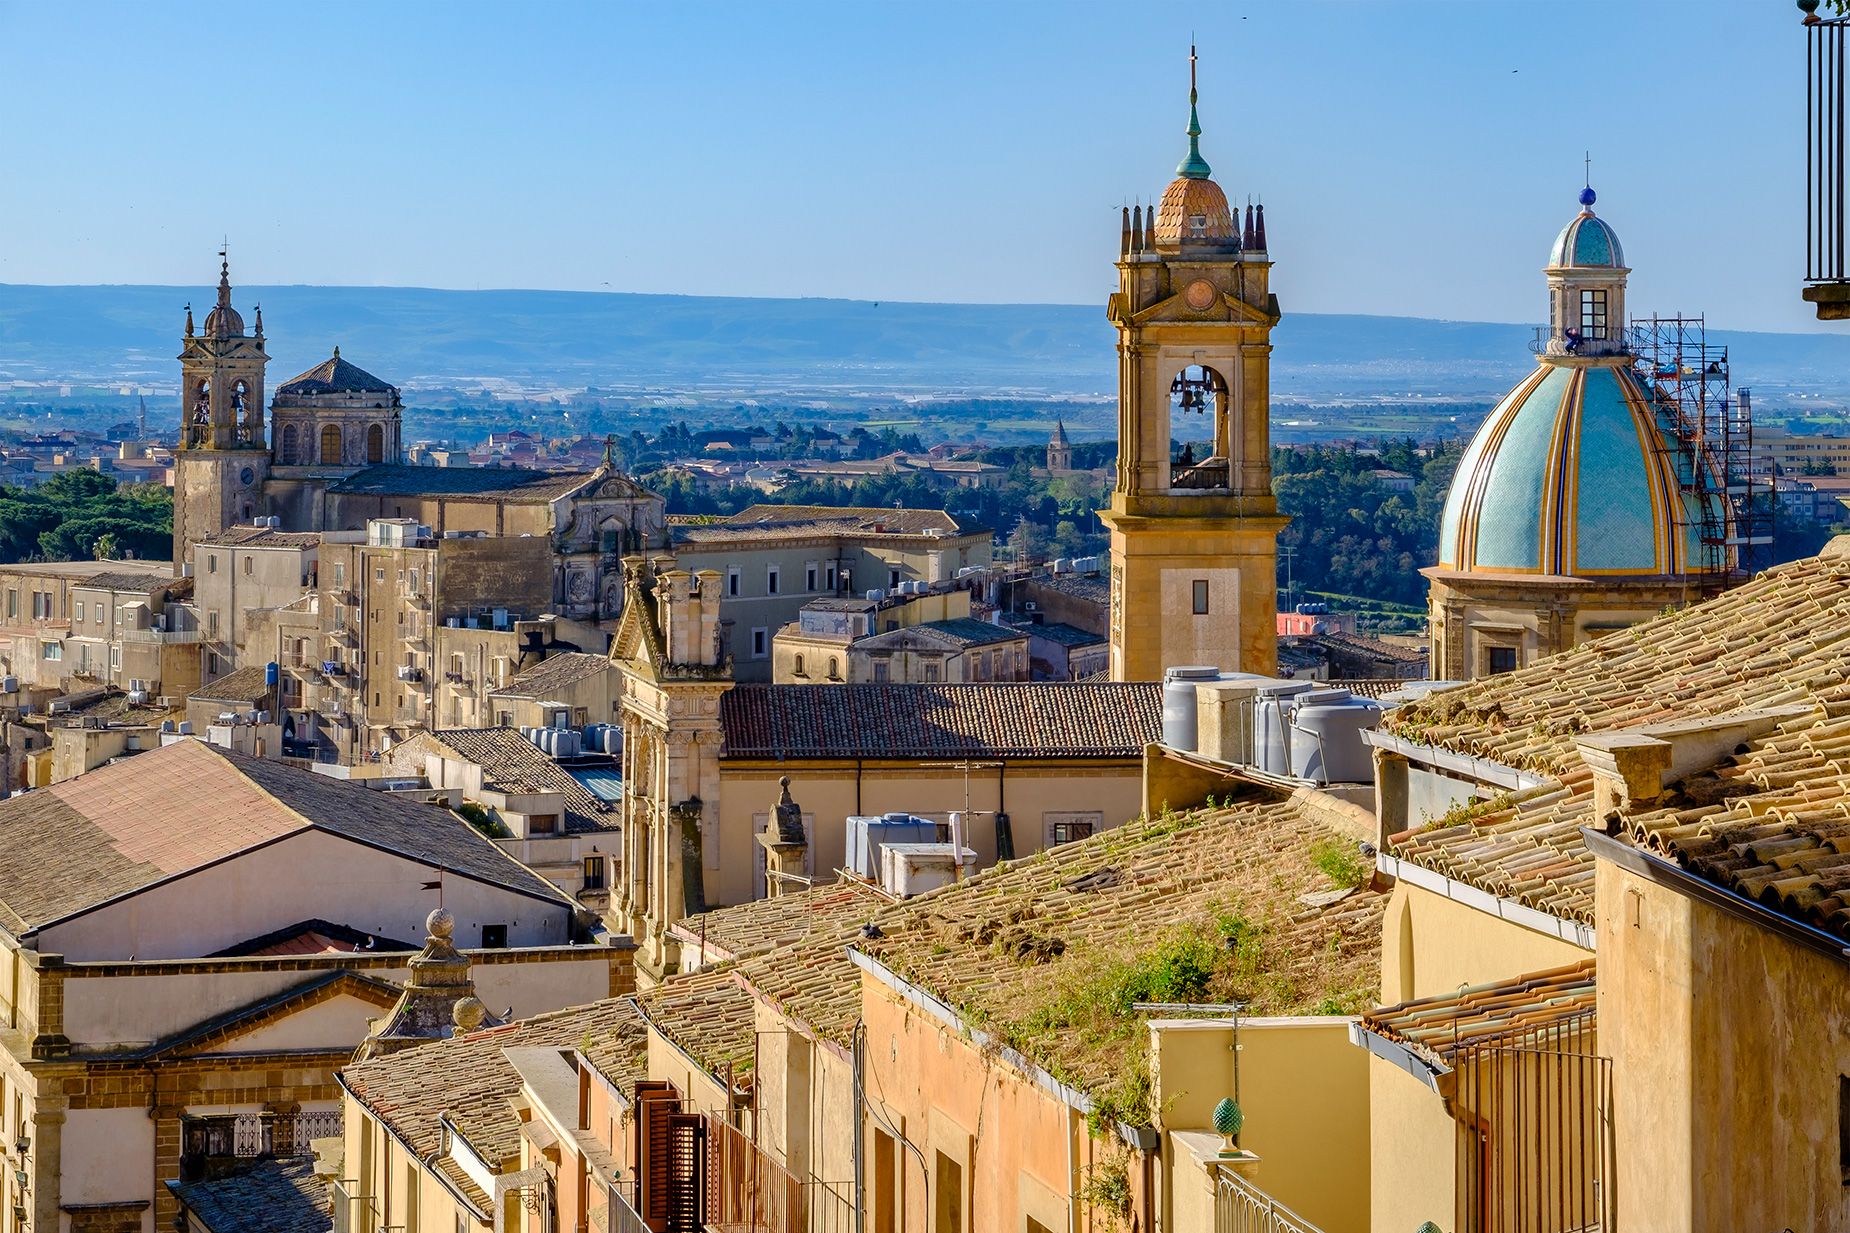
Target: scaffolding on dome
(1728,507)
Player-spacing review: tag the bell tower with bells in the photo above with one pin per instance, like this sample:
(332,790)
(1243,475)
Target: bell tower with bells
(222,460)
(1194,526)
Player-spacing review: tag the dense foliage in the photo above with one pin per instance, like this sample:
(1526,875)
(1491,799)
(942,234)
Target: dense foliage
(78,515)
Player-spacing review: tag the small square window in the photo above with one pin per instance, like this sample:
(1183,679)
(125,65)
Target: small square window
(1201,596)
(1500,659)
(494,937)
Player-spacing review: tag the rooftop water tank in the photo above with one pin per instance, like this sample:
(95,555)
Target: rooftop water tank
(1179,726)
(1272,721)
(1326,736)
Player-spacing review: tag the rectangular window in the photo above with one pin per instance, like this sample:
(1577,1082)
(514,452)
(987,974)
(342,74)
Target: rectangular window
(212,623)
(80,610)
(594,873)
(12,605)
(948,1195)
(761,638)
(892,579)
(882,671)
(378,573)
(770,580)
(933,672)
(53,651)
(494,937)
(732,580)
(340,573)
(211,562)
(828,576)
(809,576)
(247,563)
(1201,597)
(1071,827)
(1592,314)
(1501,659)
(542,823)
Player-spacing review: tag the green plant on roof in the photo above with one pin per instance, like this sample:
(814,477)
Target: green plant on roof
(480,819)
(1340,861)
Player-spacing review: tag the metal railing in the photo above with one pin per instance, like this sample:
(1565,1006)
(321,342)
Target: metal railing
(1824,150)
(618,1215)
(1241,1207)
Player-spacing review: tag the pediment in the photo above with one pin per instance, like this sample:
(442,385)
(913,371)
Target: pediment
(1230,310)
(329,1012)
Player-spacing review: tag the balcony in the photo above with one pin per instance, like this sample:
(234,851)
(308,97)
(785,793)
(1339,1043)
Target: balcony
(1826,284)
(1241,1207)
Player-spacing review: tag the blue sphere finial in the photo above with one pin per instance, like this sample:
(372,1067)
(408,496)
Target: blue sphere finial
(1588,196)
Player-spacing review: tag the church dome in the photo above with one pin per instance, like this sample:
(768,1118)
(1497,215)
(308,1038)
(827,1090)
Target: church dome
(1195,210)
(1587,242)
(1573,473)
(224,322)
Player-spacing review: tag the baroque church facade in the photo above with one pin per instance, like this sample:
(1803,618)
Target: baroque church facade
(331,458)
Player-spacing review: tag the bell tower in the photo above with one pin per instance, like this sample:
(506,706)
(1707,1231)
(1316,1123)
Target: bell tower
(222,459)
(1194,526)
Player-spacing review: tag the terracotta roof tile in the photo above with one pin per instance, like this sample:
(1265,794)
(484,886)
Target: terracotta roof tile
(512,763)
(1768,822)
(750,929)
(1042,719)
(484,483)
(1436,1028)
(469,1079)
(545,679)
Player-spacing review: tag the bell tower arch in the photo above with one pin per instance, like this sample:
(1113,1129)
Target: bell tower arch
(1194,526)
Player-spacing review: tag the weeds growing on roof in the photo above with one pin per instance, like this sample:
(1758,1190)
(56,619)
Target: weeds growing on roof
(1340,862)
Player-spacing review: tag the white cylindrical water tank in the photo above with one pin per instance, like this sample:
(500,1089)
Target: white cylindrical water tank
(1273,708)
(1179,721)
(1326,737)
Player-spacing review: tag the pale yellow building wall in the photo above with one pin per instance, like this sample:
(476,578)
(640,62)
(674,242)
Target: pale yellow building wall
(833,791)
(806,1103)
(94,1147)
(1305,1092)
(1729,1047)
(1413,1150)
(1431,945)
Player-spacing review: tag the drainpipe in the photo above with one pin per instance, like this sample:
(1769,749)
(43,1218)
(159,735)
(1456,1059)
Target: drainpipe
(860,1122)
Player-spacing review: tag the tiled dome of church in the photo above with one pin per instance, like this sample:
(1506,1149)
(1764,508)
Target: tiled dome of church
(1572,473)
(1587,241)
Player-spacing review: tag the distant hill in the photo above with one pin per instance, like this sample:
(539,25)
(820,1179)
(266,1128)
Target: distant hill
(538,339)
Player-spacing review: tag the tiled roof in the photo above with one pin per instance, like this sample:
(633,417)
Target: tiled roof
(1048,952)
(954,634)
(123,580)
(270,1196)
(336,376)
(126,826)
(512,763)
(483,483)
(1043,719)
(244,684)
(547,678)
(904,521)
(469,1080)
(1770,822)
(709,1015)
(1090,587)
(1362,644)
(263,537)
(1436,1028)
(1064,634)
(750,929)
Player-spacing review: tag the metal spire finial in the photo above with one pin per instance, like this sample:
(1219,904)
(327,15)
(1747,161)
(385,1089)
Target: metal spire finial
(1194,167)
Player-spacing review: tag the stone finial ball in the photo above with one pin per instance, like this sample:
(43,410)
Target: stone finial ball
(783,781)
(1228,1117)
(468,1014)
(440,923)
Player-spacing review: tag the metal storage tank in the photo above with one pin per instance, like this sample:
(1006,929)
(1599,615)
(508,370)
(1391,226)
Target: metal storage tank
(1179,726)
(1326,736)
(1272,721)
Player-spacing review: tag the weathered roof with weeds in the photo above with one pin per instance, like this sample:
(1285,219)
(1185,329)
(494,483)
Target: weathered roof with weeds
(1256,902)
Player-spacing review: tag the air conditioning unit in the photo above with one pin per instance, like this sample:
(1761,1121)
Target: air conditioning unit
(137,696)
(9,684)
(1030,606)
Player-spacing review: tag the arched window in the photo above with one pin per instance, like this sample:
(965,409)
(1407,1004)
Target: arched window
(834,668)
(1198,429)
(799,665)
(287,447)
(375,443)
(330,444)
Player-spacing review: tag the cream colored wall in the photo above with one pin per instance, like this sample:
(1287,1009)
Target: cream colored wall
(95,1146)
(934,1086)
(807,1105)
(103,1008)
(1729,1047)
(1431,945)
(308,876)
(700,1092)
(333,1024)
(829,792)
(1413,1151)
(1305,1092)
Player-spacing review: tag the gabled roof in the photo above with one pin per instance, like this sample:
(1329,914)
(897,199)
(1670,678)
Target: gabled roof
(469,1081)
(1769,822)
(512,763)
(246,685)
(131,825)
(1042,719)
(546,679)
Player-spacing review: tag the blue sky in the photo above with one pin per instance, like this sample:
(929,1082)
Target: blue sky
(1414,158)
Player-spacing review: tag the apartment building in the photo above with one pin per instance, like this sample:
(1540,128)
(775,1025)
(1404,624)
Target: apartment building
(773,559)
(38,603)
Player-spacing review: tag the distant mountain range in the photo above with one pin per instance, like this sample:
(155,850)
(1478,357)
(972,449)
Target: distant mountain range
(538,340)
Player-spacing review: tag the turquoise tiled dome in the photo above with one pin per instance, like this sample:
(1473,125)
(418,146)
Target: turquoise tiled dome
(1587,241)
(1573,473)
